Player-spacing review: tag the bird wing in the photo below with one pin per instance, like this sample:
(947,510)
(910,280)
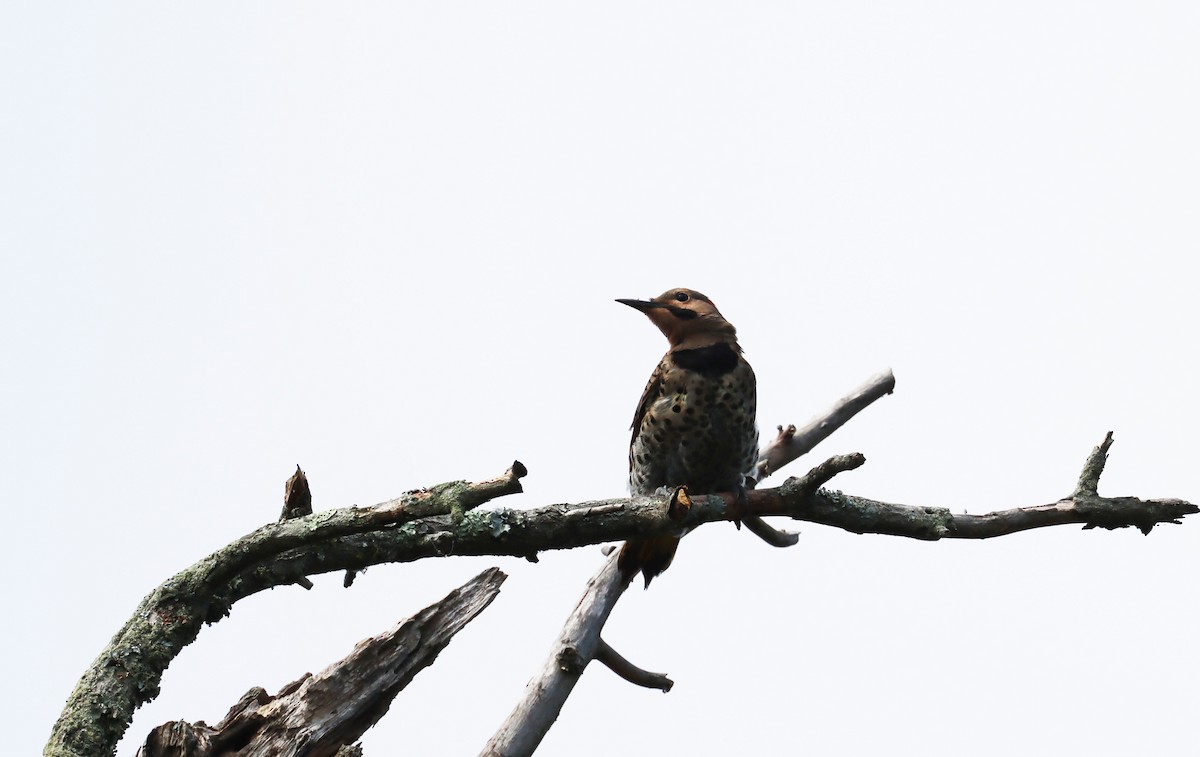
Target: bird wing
(653,390)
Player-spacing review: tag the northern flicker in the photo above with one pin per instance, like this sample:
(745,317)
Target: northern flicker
(695,424)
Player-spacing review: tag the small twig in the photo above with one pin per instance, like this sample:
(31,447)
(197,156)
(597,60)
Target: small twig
(630,672)
(775,537)
(802,488)
(444,499)
(501,486)
(824,472)
(1089,478)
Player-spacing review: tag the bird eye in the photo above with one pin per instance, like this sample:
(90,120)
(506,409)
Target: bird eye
(681,296)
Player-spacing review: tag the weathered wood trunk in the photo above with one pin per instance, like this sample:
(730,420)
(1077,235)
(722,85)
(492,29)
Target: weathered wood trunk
(320,714)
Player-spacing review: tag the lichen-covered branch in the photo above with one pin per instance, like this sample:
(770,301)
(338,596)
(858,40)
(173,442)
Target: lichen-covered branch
(445,520)
(128,670)
(791,443)
(803,499)
(1084,506)
(318,715)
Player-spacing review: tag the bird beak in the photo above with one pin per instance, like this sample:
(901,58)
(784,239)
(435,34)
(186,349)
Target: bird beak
(642,305)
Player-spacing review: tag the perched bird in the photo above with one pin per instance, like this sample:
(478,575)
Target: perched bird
(695,424)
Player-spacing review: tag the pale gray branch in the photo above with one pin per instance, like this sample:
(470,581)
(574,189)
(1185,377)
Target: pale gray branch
(575,647)
(444,520)
(318,715)
(792,442)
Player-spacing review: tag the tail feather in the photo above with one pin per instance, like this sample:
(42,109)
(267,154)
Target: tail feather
(649,556)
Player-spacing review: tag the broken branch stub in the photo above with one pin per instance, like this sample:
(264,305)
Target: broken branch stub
(319,714)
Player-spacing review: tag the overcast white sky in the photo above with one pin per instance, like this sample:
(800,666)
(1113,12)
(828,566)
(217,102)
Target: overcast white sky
(382,240)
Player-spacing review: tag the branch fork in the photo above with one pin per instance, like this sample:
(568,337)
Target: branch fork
(128,671)
(801,498)
(445,519)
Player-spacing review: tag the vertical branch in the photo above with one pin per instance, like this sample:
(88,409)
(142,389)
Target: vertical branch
(577,645)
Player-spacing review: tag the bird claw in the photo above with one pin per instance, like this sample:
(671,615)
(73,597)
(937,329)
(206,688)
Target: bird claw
(680,503)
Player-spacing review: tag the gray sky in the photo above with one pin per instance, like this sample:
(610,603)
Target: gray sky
(383,240)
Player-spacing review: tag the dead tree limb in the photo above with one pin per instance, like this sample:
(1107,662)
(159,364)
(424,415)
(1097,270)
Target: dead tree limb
(630,672)
(546,693)
(792,442)
(803,499)
(318,715)
(579,642)
(446,520)
(575,647)
(128,671)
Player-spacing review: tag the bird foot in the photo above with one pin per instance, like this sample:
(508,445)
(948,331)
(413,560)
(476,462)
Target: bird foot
(680,503)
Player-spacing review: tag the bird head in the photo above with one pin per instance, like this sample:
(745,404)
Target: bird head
(687,318)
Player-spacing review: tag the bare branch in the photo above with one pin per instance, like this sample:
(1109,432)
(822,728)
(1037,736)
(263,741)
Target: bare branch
(128,671)
(773,536)
(630,672)
(800,498)
(791,442)
(319,714)
(576,646)
(1089,479)
(862,515)
(438,522)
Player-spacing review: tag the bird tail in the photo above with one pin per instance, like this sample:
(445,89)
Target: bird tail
(650,556)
